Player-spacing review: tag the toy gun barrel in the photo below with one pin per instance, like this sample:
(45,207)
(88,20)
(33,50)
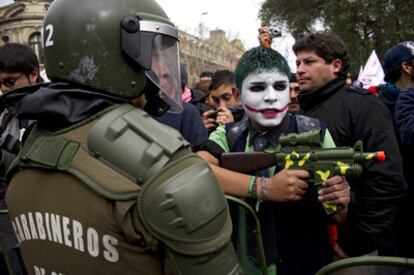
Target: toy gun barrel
(355,170)
(249,163)
(347,153)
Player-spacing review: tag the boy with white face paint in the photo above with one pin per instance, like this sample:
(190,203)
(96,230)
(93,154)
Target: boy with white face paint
(294,229)
(265,97)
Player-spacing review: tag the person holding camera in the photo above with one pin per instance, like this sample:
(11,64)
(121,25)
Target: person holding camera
(225,98)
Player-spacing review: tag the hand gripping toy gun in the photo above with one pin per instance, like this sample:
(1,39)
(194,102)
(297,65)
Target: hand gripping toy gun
(303,151)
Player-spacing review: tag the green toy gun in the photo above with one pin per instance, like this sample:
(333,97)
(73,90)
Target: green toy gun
(303,151)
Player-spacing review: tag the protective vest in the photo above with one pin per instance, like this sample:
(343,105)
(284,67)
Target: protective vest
(117,194)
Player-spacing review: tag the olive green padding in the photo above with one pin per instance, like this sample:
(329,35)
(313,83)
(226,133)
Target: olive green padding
(66,151)
(85,44)
(52,151)
(185,208)
(128,139)
(223,261)
(375,263)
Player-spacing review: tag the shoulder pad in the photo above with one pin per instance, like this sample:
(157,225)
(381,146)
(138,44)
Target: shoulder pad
(358,90)
(130,141)
(185,208)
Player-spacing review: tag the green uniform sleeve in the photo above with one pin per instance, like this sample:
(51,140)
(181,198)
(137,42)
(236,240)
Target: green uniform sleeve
(219,137)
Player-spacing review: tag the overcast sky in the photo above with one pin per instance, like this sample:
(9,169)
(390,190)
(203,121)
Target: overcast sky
(238,18)
(3,2)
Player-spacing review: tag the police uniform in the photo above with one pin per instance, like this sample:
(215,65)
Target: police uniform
(99,187)
(80,212)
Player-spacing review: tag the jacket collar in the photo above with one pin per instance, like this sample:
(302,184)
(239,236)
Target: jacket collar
(308,100)
(55,106)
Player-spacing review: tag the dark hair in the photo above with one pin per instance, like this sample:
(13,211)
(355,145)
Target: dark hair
(394,75)
(293,77)
(259,59)
(18,58)
(220,78)
(206,74)
(326,45)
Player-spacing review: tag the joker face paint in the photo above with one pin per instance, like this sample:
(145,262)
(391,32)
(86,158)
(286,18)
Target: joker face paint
(265,97)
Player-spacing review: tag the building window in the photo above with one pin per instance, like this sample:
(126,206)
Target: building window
(35,42)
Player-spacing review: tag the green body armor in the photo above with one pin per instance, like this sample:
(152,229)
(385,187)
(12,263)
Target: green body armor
(131,162)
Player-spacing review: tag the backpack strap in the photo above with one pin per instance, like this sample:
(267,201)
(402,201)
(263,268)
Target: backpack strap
(234,134)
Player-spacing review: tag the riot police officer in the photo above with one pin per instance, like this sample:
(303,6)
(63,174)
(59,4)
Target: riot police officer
(99,187)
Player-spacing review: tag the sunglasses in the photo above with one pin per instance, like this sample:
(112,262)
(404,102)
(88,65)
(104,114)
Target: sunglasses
(10,81)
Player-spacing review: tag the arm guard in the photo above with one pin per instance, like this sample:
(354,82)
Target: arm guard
(186,210)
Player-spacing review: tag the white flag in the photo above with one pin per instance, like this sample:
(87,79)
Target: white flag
(284,46)
(373,74)
(361,70)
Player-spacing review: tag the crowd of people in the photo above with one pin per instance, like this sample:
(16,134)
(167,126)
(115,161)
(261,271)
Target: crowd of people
(120,171)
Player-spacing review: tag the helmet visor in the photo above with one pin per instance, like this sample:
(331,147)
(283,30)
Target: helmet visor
(165,70)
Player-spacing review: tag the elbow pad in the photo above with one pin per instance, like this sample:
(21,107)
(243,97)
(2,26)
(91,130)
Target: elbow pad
(184,208)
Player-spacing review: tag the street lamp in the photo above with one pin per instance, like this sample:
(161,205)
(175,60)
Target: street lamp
(201,27)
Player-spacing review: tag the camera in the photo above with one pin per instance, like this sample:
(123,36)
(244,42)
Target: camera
(213,114)
(275,32)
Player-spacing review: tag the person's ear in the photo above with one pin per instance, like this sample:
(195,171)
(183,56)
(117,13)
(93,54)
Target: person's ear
(337,65)
(33,76)
(236,94)
(406,68)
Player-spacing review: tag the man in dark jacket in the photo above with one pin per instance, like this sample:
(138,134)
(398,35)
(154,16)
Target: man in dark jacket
(404,123)
(399,74)
(352,114)
(19,67)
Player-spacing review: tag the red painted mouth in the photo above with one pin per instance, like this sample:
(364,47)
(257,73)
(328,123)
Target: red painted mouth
(267,113)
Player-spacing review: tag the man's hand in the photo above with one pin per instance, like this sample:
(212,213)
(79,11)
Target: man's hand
(221,116)
(335,191)
(265,39)
(224,116)
(339,253)
(287,186)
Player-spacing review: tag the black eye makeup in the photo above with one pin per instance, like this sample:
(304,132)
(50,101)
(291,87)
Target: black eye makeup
(257,87)
(280,85)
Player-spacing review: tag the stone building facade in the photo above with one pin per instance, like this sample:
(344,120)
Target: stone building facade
(21,22)
(211,54)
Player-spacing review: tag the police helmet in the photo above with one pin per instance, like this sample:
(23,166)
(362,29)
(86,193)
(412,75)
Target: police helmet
(112,46)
